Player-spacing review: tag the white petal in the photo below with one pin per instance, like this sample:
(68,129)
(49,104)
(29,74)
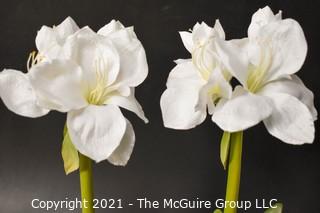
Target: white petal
(18,95)
(50,40)
(211,106)
(205,58)
(47,44)
(288,45)
(133,61)
(66,28)
(217,77)
(182,108)
(111,27)
(295,88)
(121,155)
(261,18)
(234,57)
(216,88)
(242,111)
(129,103)
(58,85)
(96,131)
(93,53)
(219,30)
(201,32)
(181,60)
(290,121)
(186,38)
(278,16)
(183,75)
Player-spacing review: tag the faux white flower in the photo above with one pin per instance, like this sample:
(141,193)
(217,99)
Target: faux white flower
(97,76)
(88,75)
(265,65)
(15,89)
(195,85)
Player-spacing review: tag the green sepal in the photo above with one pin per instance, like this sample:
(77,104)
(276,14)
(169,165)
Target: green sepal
(224,148)
(65,130)
(278,209)
(69,153)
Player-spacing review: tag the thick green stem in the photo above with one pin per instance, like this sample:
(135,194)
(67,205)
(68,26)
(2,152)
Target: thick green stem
(234,171)
(86,183)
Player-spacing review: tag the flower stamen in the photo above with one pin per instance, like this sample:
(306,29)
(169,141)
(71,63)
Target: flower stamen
(33,59)
(100,93)
(257,74)
(199,61)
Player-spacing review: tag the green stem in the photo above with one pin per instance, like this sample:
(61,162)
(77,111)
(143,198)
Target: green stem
(86,183)
(234,171)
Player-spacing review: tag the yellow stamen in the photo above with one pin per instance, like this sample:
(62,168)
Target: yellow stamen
(33,59)
(200,63)
(101,92)
(257,74)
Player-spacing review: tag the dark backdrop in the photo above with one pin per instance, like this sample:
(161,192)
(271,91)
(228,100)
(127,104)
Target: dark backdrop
(165,162)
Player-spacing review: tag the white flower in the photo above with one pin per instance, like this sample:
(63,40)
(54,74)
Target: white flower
(15,89)
(97,75)
(264,64)
(195,85)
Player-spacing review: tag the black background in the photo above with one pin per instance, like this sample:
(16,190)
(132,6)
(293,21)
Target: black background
(165,163)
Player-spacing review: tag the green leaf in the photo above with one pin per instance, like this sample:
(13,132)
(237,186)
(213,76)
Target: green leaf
(278,209)
(224,148)
(69,154)
(65,130)
(217,211)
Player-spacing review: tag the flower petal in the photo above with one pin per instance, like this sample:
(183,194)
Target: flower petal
(260,18)
(96,131)
(182,105)
(58,85)
(201,32)
(183,75)
(133,61)
(295,88)
(219,30)
(187,41)
(129,103)
(93,53)
(216,88)
(233,55)
(111,27)
(182,108)
(50,40)
(218,78)
(66,28)
(291,121)
(121,155)
(47,44)
(242,111)
(288,45)
(18,95)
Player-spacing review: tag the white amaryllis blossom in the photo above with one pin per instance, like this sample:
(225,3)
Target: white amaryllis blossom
(96,77)
(89,75)
(265,64)
(15,89)
(195,85)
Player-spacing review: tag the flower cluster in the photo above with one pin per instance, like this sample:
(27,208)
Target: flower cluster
(264,63)
(89,76)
